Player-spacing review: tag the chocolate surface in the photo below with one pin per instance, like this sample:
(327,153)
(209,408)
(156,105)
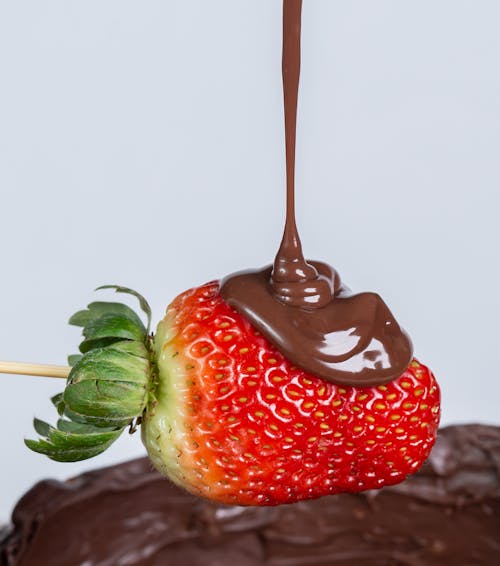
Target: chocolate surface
(353,340)
(447,514)
(301,306)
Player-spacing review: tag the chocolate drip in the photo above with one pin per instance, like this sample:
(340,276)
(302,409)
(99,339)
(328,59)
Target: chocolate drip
(301,306)
(294,281)
(448,513)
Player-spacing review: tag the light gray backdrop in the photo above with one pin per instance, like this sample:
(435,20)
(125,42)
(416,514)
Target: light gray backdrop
(142,143)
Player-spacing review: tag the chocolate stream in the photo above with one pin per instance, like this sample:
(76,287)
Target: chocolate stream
(301,306)
(295,281)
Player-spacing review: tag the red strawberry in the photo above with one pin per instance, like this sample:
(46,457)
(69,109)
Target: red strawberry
(225,415)
(234,421)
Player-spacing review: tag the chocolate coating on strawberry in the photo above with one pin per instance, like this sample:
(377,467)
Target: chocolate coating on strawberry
(353,340)
(301,306)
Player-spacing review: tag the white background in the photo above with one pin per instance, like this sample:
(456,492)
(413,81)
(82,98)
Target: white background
(141,143)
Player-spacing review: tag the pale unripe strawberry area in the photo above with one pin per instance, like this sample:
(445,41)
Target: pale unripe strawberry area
(164,429)
(231,419)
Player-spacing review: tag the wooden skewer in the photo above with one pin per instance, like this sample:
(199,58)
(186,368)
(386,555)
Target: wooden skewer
(43,370)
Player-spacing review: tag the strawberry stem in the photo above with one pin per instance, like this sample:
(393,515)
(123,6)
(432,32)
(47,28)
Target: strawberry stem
(109,384)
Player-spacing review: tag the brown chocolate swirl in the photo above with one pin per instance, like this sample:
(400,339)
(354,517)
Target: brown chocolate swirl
(301,306)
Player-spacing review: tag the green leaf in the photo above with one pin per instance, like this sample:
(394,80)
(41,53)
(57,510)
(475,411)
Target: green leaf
(117,344)
(105,323)
(73,358)
(78,428)
(81,419)
(65,454)
(108,386)
(80,318)
(96,309)
(105,403)
(58,403)
(113,325)
(126,362)
(41,427)
(142,301)
(71,442)
(133,348)
(88,345)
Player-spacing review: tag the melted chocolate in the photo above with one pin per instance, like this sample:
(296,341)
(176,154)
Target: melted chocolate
(447,514)
(294,281)
(301,306)
(354,340)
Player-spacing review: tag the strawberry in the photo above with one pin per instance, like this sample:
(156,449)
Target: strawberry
(227,417)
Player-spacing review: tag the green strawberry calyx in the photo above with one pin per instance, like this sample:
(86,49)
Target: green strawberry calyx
(110,383)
